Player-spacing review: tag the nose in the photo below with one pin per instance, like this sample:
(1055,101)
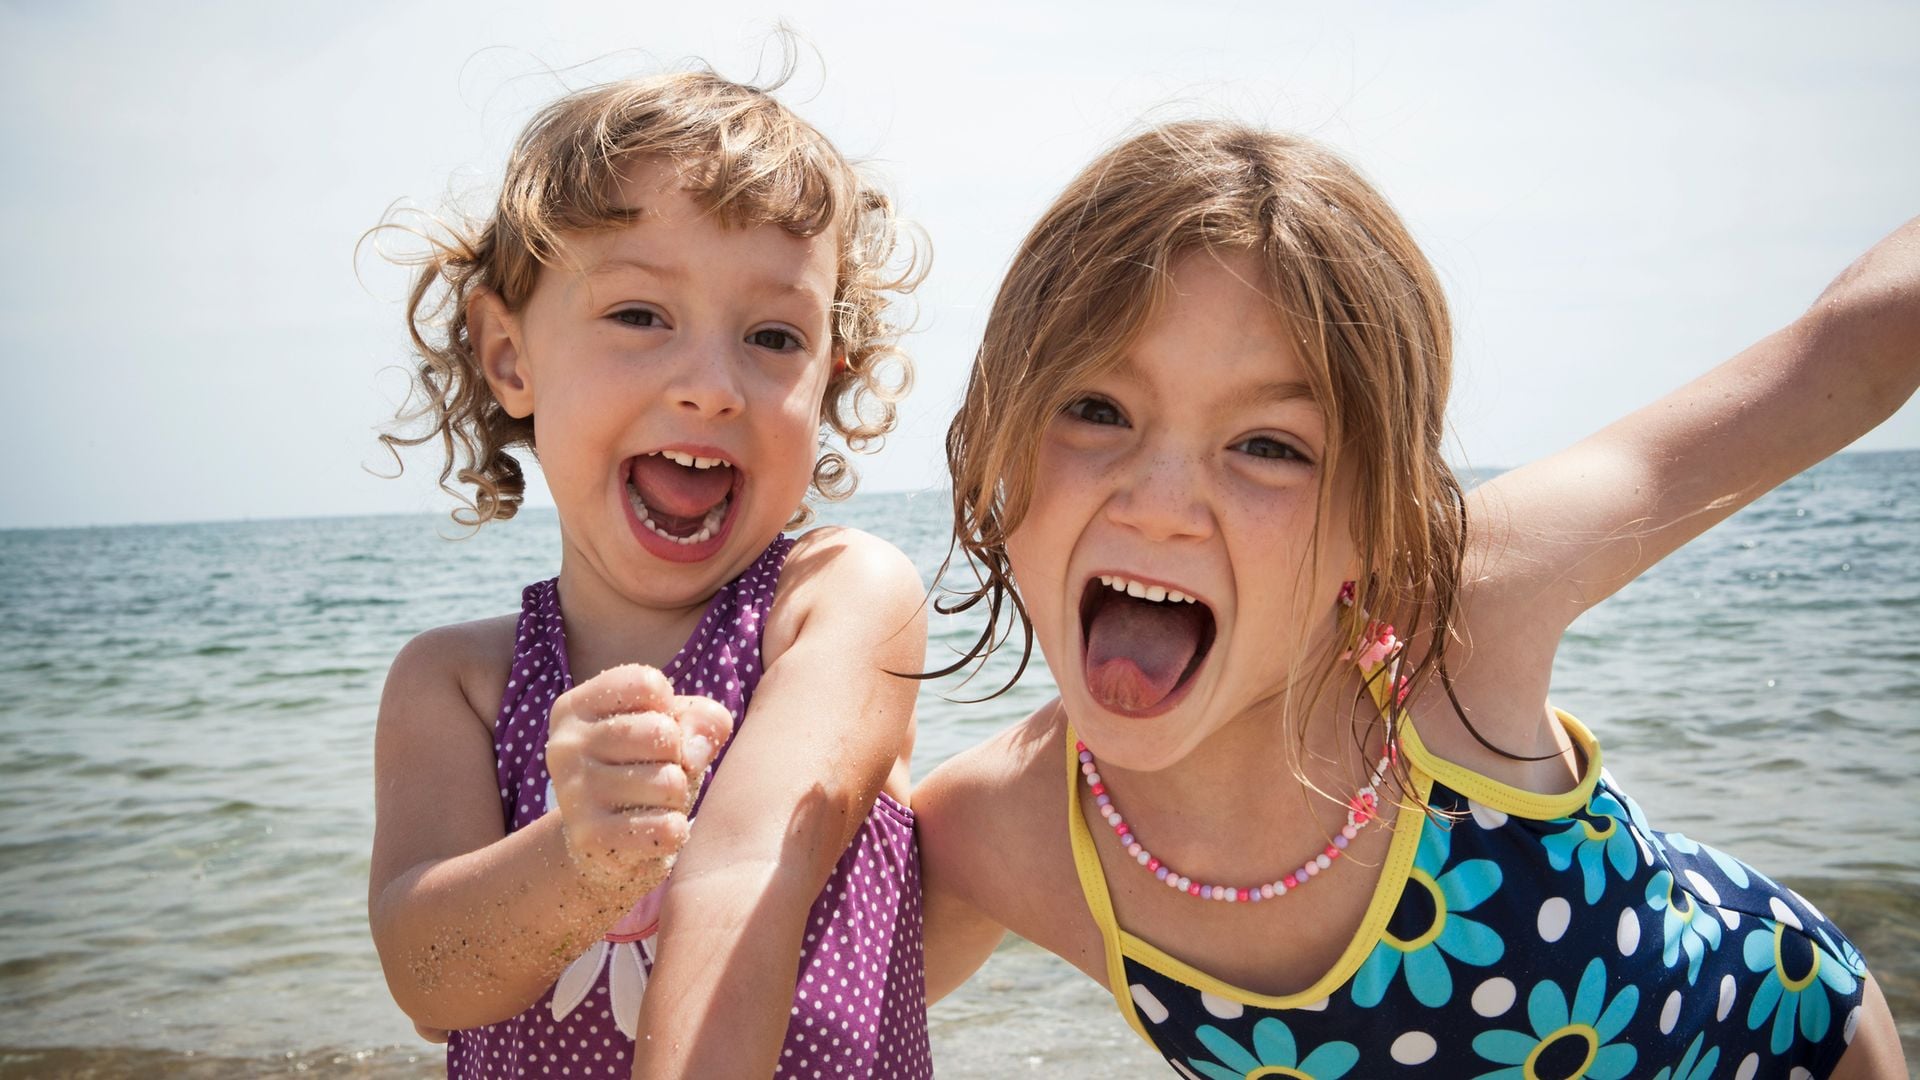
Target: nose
(1161,494)
(706,383)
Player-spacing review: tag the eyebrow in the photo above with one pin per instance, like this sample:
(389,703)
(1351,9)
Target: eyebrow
(1274,393)
(615,264)
(1277,392)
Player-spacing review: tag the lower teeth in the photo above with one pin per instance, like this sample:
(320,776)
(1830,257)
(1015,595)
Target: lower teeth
(707,527)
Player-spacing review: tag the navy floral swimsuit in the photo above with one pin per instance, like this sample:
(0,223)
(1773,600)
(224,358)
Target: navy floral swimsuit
(1517,936)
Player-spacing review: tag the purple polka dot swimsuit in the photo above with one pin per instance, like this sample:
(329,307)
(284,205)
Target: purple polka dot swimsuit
(859,1005)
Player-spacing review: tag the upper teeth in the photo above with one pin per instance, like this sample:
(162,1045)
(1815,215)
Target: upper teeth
(1155,593)
(690,461)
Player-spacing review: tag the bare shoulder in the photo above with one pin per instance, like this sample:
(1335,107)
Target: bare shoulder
(472,657)
(835,571)
(850,557)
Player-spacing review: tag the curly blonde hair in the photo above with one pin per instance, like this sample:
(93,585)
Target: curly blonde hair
(745,158)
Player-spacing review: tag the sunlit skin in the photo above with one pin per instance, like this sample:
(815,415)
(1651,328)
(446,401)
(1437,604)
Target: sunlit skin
(1195,466)
(1178,472)
(673,333)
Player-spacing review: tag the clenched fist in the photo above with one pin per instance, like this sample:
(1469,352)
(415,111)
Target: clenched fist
(625,755)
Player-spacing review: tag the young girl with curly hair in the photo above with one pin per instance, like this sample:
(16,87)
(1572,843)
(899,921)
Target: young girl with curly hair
(681,291)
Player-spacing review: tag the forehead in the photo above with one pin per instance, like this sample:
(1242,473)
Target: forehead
(1215,331)
(674,235)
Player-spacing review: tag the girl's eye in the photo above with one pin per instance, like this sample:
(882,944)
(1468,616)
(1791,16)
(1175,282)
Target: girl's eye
(1261,446)
(637,317)
(1093,410)
(778,340)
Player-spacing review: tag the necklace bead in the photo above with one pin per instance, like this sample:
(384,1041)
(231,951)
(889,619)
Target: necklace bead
(1362,808)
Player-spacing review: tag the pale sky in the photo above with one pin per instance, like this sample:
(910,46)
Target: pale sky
(1616,196)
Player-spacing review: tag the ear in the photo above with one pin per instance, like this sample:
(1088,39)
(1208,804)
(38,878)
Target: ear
(493,333)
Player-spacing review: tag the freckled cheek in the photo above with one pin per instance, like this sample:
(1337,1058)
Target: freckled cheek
(1271,544)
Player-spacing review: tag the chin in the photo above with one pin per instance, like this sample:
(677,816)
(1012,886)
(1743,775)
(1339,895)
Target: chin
(1129,742)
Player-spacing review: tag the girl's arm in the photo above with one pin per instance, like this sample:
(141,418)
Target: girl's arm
(473,925)
(958,854)
(827,728)
(1558,536)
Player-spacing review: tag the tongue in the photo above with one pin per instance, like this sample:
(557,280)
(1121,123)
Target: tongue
(677,491)
(1137,650)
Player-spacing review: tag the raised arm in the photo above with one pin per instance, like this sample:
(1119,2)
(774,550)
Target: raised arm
(472,925)
(1558,536)
(827,729)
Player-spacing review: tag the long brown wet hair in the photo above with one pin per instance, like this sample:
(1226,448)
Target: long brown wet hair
(1369,323)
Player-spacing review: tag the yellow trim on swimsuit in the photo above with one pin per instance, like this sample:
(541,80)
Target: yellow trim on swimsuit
(1119,943)
(1506,798)
(1424,769)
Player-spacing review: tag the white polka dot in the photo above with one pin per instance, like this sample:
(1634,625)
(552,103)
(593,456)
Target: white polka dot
(1628,935)
(1702,887)
(1852,1025)
(1413,1048)
(1317,1006)
(1670,1013)
(1144,1000)
(1799,1073)
(1493,997)
(1730,917)
(1804,902)
(1555,914)
(1727,990)
(1221,1007)
(1487,818)
(1784,913)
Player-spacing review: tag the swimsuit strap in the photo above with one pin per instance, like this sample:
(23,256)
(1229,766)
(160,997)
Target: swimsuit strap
(1093,886)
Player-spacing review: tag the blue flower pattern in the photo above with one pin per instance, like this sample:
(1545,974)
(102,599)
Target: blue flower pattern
(1684,927)
(1796,974)
(1591,1023)
(1492,985)
(1600,837)
(1450,934)
(1693,1065)
(1274,1053)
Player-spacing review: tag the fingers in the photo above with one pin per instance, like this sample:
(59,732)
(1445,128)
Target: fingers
(626,756)
(704,725)
(630,739)
(629,688)
(654,785)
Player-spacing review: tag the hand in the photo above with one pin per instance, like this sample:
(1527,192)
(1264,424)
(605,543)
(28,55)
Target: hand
(625,755)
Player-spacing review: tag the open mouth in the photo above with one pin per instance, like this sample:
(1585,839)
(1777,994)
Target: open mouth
(1141,644)
(680,499)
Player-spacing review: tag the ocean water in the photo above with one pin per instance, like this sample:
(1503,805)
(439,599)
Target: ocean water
(186,717)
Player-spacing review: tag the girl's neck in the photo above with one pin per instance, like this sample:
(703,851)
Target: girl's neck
(605,629)
(1244,784)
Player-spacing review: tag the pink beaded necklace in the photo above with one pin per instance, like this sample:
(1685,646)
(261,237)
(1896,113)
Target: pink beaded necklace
(1377,644)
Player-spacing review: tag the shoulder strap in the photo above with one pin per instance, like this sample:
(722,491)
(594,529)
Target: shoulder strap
(1093,886)
(1477,786)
